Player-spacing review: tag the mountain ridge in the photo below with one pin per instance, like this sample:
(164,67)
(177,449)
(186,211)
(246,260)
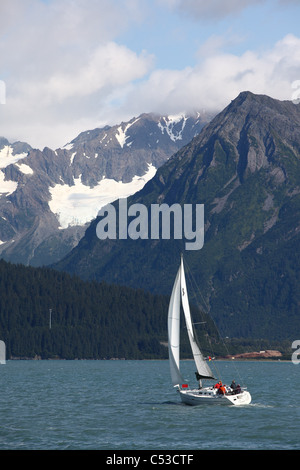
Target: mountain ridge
(244,167)
(48,196)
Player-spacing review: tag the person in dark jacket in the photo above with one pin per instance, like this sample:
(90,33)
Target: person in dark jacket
(234,387)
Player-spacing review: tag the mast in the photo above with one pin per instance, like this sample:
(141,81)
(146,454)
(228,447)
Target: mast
(203,369)
(180,296)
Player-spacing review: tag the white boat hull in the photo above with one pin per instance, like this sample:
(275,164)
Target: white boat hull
(208,396)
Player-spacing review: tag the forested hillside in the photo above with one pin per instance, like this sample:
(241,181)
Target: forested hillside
(88,319)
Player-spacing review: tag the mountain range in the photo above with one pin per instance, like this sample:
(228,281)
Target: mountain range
(49,197)
(244,166)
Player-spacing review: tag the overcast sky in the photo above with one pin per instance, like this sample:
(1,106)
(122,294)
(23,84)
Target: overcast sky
(74,65)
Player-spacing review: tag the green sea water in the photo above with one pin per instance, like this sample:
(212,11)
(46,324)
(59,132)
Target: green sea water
(131,405)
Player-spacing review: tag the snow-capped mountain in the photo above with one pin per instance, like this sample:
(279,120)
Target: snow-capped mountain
(47,197)
(244,167)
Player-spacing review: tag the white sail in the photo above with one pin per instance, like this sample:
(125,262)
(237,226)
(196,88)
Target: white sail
(174,332)
(202,367)
(192,396)
(2,353)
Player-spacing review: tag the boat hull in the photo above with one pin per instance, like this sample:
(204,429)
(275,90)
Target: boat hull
(199,397)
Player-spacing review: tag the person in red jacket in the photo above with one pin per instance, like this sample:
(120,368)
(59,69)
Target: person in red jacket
(218,385)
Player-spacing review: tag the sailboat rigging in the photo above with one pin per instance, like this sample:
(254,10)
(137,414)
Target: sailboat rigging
(179,296)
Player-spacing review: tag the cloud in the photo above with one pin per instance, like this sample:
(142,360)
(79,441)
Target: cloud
(61,61)
(109,66)
(66,69)
(215,9)
(203,9)
(219,78)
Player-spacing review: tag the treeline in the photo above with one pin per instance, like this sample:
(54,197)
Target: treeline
(89,320)
(92,320)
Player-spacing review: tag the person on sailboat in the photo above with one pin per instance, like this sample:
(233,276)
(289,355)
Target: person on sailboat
(218,385)
(234,387)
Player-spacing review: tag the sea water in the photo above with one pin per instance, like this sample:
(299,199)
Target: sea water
(131,405)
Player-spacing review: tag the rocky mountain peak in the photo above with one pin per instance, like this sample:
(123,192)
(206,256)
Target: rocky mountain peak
(244,167)
(257,131)
(47,197)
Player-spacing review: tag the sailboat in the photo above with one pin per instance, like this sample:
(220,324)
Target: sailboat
(191,396)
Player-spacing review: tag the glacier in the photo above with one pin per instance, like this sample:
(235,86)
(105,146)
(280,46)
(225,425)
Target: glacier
(79,204)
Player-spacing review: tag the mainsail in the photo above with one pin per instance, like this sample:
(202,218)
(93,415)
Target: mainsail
(202,367)
(174,332)
(179,293)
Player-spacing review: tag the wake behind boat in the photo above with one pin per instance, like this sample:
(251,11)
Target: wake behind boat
(205,395)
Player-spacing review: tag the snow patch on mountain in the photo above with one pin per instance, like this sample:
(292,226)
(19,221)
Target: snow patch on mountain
(79,204)
(68,146)
(7,157)
(168,125)
(24,168)
(72,158)
(7,187)
(121,133)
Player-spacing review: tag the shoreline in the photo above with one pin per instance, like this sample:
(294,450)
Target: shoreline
(231,359)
